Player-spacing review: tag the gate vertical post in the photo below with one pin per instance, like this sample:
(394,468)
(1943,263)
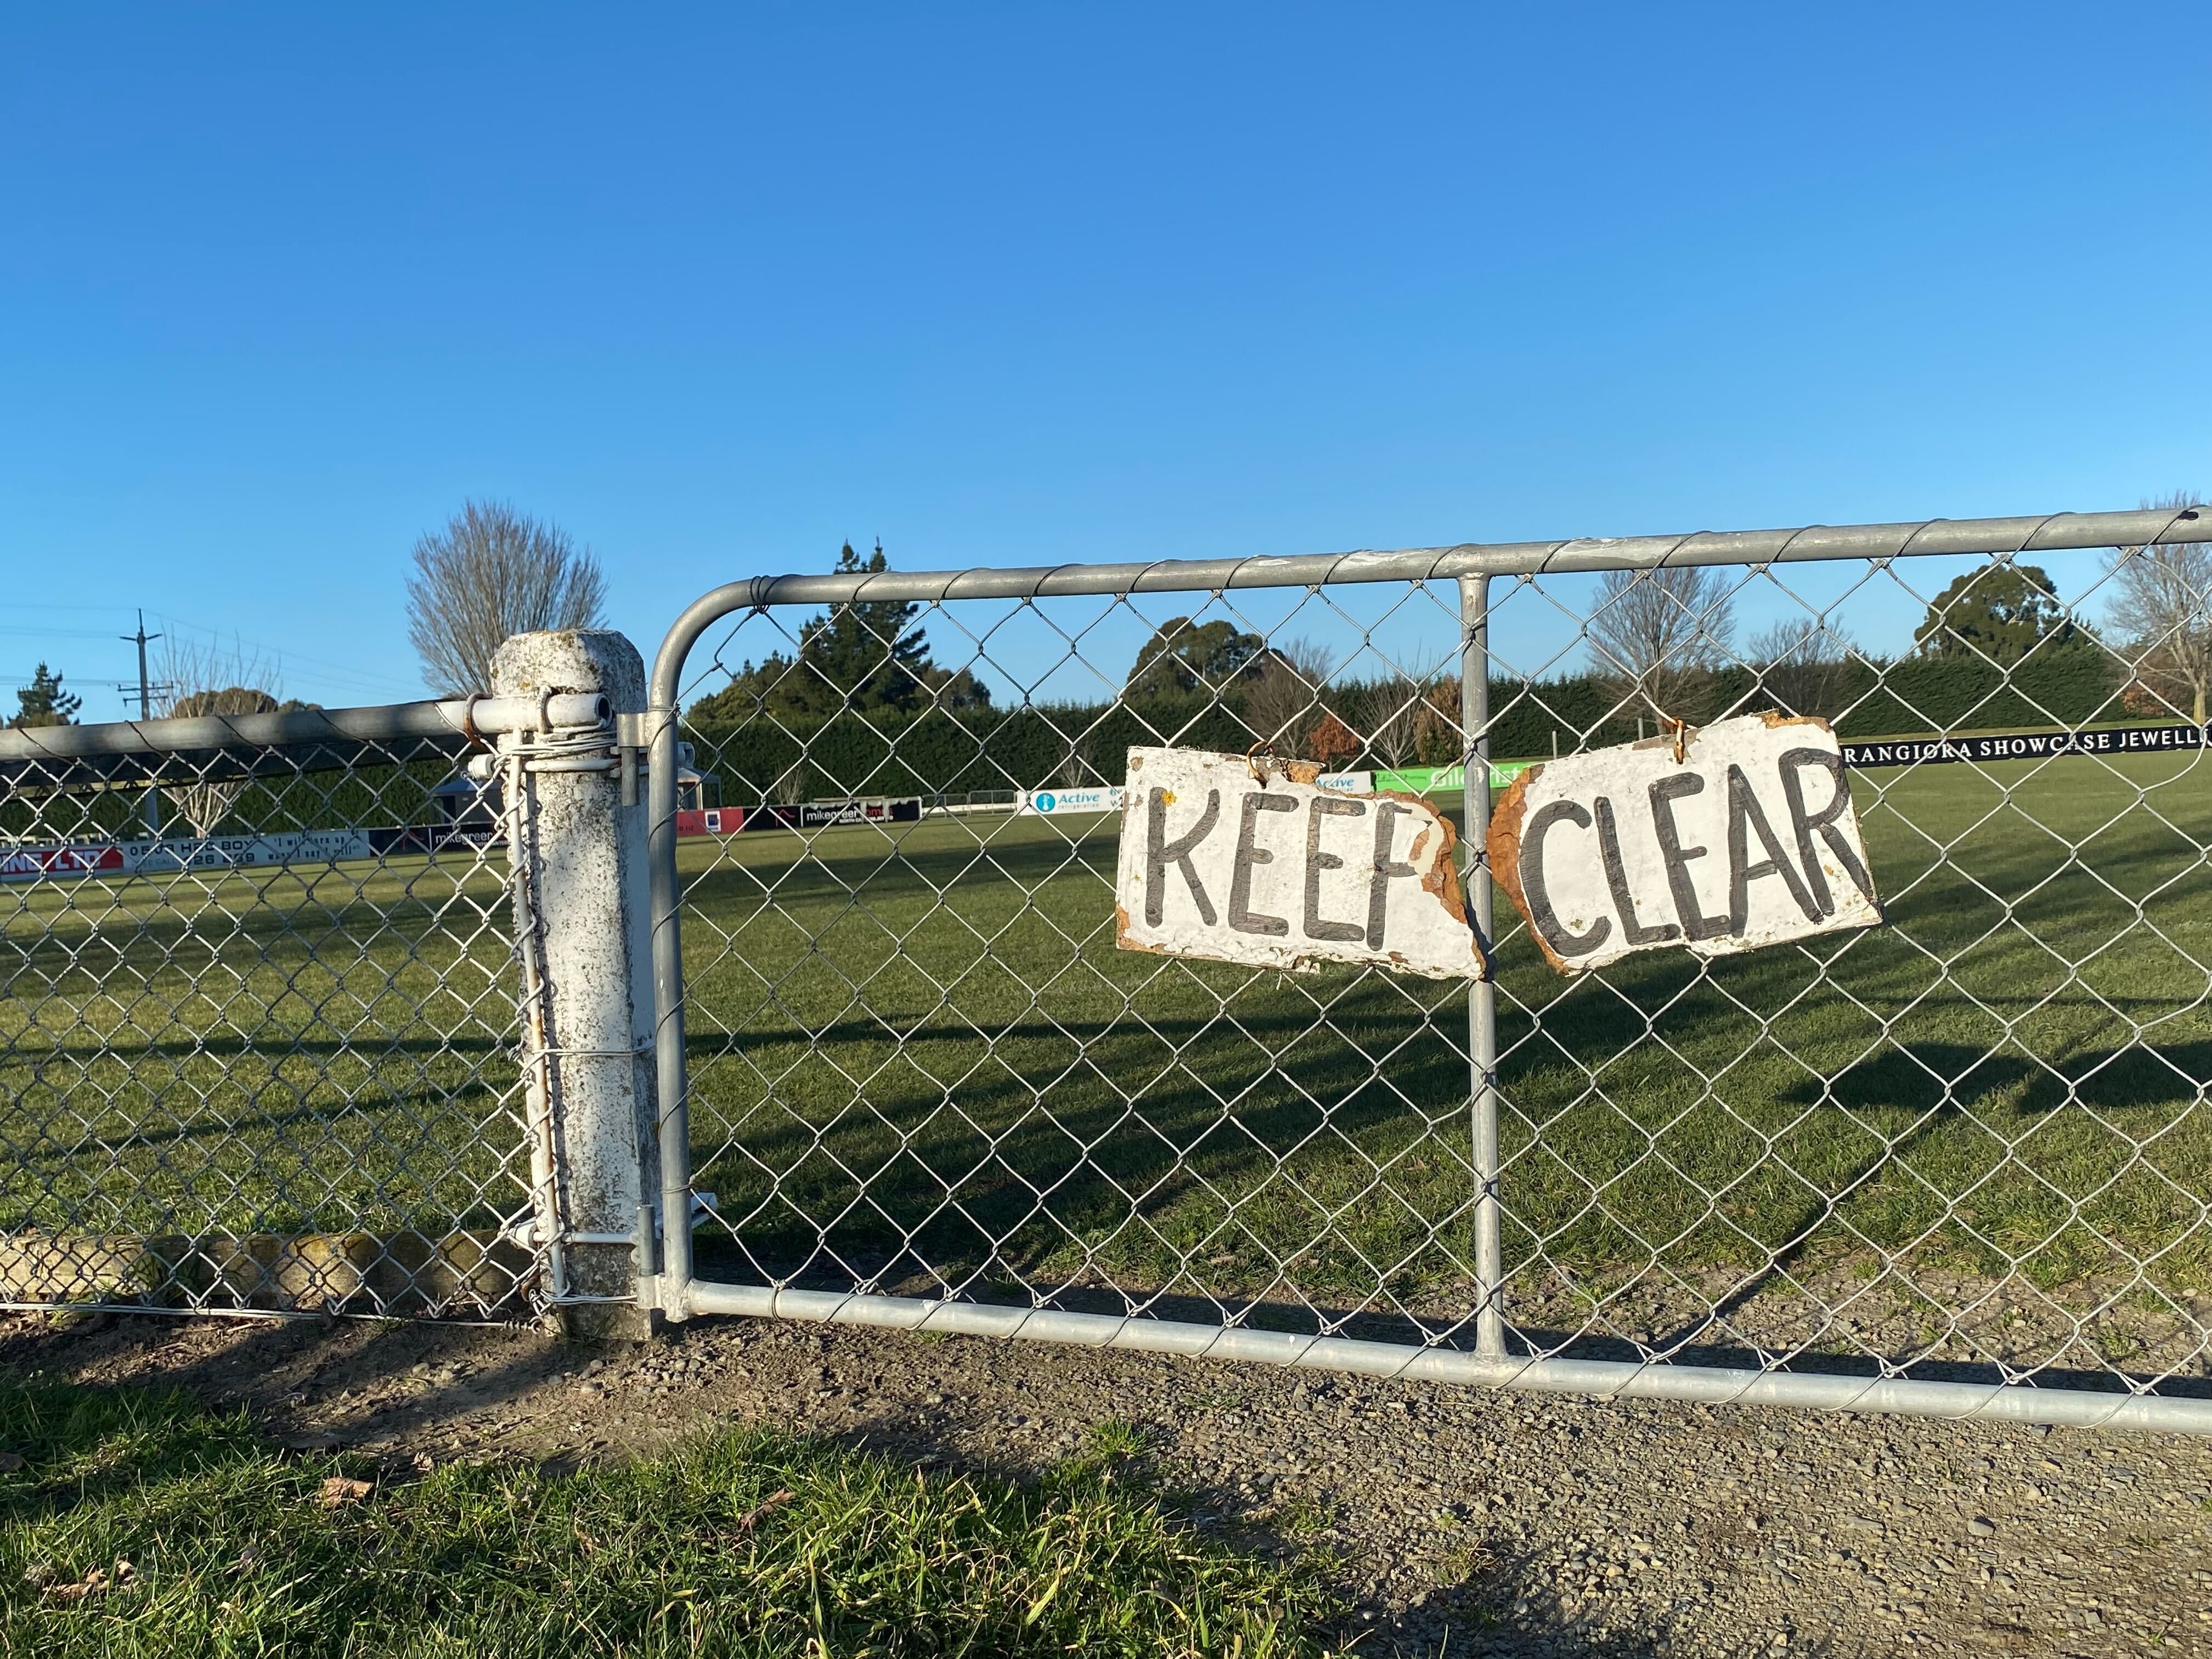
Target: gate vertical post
(1481,995)
(577,847)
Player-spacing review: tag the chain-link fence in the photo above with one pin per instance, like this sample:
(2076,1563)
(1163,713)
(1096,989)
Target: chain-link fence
(258,1005)
(909,1079)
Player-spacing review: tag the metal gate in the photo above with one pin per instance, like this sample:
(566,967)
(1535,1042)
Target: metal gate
(1957,1165)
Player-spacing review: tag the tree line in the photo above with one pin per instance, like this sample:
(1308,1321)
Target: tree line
(1997,648)
(1662,645)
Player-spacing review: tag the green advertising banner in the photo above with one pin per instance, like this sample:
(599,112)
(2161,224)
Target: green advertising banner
(1447,779)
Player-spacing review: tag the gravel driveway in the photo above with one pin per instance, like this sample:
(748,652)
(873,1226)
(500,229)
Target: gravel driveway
(1463,1522)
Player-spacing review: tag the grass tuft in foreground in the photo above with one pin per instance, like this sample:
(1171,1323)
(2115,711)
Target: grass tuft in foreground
(138,1524)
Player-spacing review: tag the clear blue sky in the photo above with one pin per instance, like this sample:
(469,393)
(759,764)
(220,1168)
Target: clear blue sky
(716,287)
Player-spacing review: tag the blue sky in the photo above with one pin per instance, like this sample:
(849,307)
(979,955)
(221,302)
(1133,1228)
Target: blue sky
(718,288)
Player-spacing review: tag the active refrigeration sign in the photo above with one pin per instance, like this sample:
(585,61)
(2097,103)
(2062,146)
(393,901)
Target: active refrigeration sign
(1748,839)
(1255,861)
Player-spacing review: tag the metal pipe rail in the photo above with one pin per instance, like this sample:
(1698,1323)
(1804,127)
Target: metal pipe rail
(302,728)
(1614,1379)
(1932,537)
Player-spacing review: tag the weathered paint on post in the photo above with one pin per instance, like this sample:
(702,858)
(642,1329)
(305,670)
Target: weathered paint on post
(588,877)
(1748,839)
(1252,860)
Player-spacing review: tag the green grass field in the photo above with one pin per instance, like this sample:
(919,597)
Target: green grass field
(923,1056)
(917,1058)
(280,1050)
(133,1524)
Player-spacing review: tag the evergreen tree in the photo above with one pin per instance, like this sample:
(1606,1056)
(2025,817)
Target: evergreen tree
(1999,612)
(43,702)
(1183,656)
(866,657)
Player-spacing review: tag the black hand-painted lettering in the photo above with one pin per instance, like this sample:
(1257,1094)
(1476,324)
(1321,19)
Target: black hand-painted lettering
(1744,817)
(1823,823)
(1679,786)
(1327,806)
(1616,878)
(1386,814)
(1538,893)
(1160,851)
(1242,916)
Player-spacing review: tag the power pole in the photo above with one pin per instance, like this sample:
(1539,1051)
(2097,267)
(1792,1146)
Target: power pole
(145,684)
(146,712)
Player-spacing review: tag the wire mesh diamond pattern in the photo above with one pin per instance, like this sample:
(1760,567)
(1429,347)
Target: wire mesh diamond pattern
(257,1038)
(1970,1144)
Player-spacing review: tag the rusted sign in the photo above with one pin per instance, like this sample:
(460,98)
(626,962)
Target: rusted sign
(1748,839)
(1254,861)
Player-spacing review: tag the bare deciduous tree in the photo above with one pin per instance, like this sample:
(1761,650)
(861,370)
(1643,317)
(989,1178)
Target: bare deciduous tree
(1656,630)
(489,573)
(1804,665)
(1387,715)
(2161,604)
(1282,690)
(205,676)
(1403,721)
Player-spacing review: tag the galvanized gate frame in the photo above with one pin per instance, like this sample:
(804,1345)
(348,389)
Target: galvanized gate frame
(671,1285)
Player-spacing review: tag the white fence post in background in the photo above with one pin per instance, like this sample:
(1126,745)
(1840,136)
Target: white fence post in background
(576,834)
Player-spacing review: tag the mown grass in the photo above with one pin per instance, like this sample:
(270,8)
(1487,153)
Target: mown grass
(747,1544)
(282,1050)
(916,1055)
(922,1052)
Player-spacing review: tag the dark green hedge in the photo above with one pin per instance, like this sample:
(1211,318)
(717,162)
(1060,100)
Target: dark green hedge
(1030,747)
(62,806)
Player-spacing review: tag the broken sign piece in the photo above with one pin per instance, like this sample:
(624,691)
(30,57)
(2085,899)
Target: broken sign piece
(1749,839)
(1250,860)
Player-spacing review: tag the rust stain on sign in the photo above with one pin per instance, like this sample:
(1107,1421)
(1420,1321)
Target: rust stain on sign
(1749,840)
(1247,859)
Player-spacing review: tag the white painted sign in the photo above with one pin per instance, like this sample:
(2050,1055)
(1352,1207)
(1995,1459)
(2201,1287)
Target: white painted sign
(1275,870)
(1749,840)
(1049,803)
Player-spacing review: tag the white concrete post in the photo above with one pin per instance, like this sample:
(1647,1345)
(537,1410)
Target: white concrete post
(577,823)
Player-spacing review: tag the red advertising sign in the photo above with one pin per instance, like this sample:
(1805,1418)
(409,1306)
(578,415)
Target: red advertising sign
(18,863)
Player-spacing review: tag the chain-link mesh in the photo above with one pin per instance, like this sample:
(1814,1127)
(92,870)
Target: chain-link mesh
(257,1025)
(1970,1145)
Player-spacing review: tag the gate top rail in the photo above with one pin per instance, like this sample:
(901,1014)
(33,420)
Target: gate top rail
(337,734)
(2034,534)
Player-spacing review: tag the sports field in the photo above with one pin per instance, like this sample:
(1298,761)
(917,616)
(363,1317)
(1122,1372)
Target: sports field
(925,1057)
(917,1060)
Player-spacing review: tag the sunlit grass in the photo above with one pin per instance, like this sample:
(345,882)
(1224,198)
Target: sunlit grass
(137,1525)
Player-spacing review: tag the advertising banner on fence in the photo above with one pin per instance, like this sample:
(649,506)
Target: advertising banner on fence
(176,853)
(198,852)
(1747,838)
(2024,745)
(806,815)
(1048,803)
(39,863)
(1253,861)
(1444,779)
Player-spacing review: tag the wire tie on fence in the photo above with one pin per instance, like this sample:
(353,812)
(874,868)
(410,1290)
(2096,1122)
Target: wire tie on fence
(469,721)
(1682,731)
(1251,761)
(545,712)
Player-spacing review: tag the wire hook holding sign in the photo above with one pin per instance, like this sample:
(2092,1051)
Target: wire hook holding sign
(1682,731)
(1251,759)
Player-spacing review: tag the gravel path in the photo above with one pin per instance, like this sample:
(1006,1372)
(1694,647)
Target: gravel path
(1464,1522)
